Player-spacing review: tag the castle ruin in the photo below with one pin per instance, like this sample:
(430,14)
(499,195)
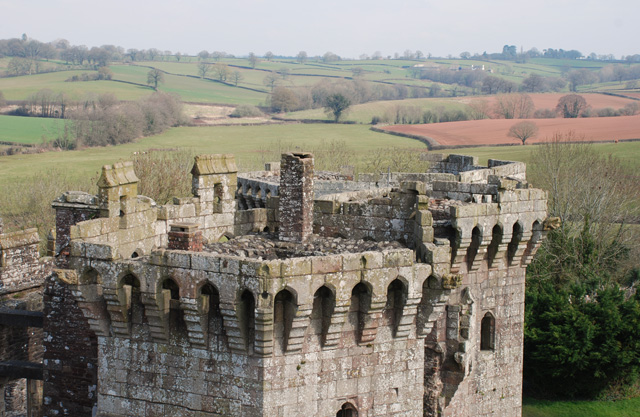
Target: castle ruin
(287,292)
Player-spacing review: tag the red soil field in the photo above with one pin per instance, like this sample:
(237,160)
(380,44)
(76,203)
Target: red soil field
(550,100)
(494,131)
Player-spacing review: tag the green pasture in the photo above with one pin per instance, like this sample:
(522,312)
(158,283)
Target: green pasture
(362,113)
(192,89)
(19,88)
(622,408)
(28,130)
(250,144)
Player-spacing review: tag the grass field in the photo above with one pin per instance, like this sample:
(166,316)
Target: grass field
(191,89)
(362,113)
(27,129)
(624,408)
(19,88)
(248,143)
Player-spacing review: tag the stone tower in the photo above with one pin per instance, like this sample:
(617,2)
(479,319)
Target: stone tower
(287,292)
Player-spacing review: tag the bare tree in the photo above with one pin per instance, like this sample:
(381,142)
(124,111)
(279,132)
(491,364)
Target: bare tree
(579,77)
(594,195)
(271,80)
(217,55)
(203,69)
(301,57)
(268,55)
(283,100)
(253,59)
(514,106)
(571,106)
(155,77)
(479,109)
(202,55)
(523,131)
(236,77)
(222,71)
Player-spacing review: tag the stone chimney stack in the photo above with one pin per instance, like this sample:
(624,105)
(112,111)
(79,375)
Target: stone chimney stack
(185,236)
(296,197)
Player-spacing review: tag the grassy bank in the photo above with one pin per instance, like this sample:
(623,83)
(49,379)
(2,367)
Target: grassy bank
(250,144)
(623,408)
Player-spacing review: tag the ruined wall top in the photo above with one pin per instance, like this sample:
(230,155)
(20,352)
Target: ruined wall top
(214,164)
(120,173)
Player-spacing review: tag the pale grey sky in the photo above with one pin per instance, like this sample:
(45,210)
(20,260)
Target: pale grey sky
(348,28)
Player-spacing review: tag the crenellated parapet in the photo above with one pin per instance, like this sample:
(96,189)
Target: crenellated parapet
(403,293)
(183,281)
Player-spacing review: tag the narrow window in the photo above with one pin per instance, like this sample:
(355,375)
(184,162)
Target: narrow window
(177,325)
(496,240)
(515,241)
(472,250)
(247,317)
(213,317)
(360,304)
(396,299)
(284,310)
(324,303)
(488,332)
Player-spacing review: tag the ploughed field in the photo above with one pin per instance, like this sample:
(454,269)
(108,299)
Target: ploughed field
(550,100)
(494,131)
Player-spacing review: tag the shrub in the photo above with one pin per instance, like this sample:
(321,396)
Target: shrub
(164,174)
(607,112)
(544,114)
(582,340)
(245,110)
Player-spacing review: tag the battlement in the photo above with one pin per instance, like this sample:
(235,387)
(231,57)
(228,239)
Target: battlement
(20,265)
(414,280)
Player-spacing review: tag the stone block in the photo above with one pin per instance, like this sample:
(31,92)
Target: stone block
(296,267)
(326,264)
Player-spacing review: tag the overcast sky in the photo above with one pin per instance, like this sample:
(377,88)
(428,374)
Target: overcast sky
(348,28)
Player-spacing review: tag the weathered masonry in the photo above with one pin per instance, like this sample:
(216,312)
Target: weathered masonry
(22,274)
(288,292)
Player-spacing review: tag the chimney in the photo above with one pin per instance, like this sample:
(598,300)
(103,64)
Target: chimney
(185,236)
(296,197)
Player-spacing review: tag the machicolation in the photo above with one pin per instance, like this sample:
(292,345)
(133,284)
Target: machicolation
(285,292)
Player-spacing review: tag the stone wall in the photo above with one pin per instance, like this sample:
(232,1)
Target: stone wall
(197,350)
(264,328)
(70,358)
(20,265)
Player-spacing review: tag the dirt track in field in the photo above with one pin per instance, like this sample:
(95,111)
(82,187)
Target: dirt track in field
(494,131)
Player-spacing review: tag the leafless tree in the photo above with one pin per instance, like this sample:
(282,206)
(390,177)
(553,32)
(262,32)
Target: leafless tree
(523,131)
(203,69)
(271,80)
(301,57)
(268,55)
(479,109)
(222,71)
(253,59)
(514,106)
(236,77)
